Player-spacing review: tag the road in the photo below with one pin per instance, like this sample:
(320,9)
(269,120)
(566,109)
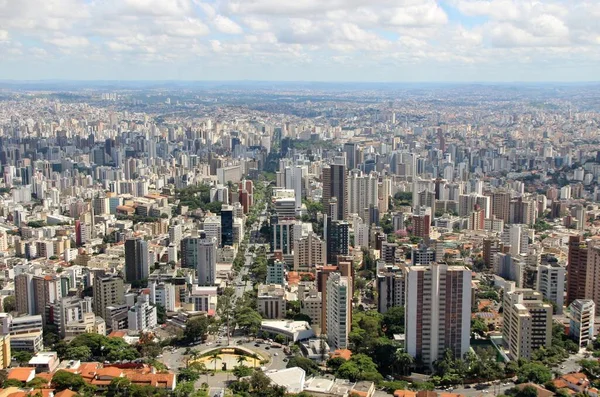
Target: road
(492,390)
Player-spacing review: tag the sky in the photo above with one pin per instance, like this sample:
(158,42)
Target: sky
(301,40)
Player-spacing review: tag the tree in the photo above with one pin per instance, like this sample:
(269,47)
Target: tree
(403,360)
(534,372)
(118,386)
(225,309)
(81,353)
(66,380)
(161,314)
(248,319)
(215,357)
(279,338)
(259,382)
(308,365)
(241,371)
(22,357)
(393,321)
(9,304)
(527,391)
(196,328)
(478,326)
(12,383)
(188,374)
(335,363)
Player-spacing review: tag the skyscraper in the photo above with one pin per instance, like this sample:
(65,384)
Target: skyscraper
(438,311)
(137,266)
(200,253)
(576,269)
(527,321)
(339,306)
(338,240)
(108,291)
(226,225)
(501,205)
(334,185)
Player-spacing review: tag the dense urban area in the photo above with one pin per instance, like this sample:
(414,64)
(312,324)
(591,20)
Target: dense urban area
(319,240)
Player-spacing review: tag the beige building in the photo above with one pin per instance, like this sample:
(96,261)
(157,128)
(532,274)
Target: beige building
(108,291)
(527,321)
(5,354)
(311,304)
(89,324)
(309,252)
(271,301)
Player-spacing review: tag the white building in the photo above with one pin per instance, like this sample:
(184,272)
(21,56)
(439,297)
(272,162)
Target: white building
(142,316)
(527,321)
(339,310)
(212,228)
(581,314)
(551,283)
(271,301)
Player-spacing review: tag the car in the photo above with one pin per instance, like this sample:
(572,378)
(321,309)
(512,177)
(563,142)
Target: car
(276,354)
(285,360)
(256,345)
(267,348)
(159,356)
(468,386)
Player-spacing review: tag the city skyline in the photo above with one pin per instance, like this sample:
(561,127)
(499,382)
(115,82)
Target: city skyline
(353,41)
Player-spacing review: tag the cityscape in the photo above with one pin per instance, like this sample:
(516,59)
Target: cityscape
(224,198)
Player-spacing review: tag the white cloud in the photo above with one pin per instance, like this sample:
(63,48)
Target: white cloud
(68,42)
(226,25)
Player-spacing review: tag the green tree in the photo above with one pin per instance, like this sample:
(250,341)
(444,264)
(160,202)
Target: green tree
(241,371)
(66,380)
(478,326)
(308,365)
(22,357)
(12,383)
(161,314)
(259,382)
(215,357)
(534,372)
(393,321)
(9,304)
(403,360)
(335,363)
(225,309)
(196,328)
(82,353)
(527,391)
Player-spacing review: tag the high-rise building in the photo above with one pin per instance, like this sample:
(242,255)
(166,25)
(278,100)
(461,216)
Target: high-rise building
(283,236)
(363,193)
(137,263)
(276,272)
(108,291)
(34,293)
(527,322)
(551,283)
(438,311)
(271,301)
(592,280)
(226,225)
(581,327)
(390,288)
(212,228)
(334,186)
(422,225)
(352,156)
(576,269)
(338,240)
(501,205)
(309,252)
(142,316)
(200,253)
(339,307)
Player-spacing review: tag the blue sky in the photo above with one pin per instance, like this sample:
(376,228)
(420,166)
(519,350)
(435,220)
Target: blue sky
(312,40)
